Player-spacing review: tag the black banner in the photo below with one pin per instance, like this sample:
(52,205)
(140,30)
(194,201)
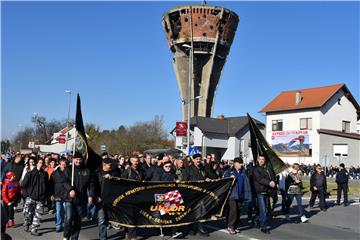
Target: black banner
(259,146)
(164,204)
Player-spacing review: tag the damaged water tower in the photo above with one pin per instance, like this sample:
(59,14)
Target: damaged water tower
(200,37)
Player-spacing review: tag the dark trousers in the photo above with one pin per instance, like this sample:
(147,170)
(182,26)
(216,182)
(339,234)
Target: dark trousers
(284,197)
(321,195)
(233,216)
(72,223)
(10,211)
(102,221)
(342,187)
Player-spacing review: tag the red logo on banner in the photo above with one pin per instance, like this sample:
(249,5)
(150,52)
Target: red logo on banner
(181,129)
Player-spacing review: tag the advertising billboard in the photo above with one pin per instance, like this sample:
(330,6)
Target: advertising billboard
(291,143)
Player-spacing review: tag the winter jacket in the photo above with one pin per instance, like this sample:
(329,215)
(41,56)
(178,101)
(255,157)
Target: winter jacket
(99,180)
(318,181)
(16,168)
(235,195)
(164,176)
(83,185)
(262,177)
(10,190)
(342,177)
(60,182)
(193,173)
(36,183)
(210,171)
(130,173)
(151,172)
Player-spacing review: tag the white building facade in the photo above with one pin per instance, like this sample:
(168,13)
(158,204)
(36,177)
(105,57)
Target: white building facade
(318,125)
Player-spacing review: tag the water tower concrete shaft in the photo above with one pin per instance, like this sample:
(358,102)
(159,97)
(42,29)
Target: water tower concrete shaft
(209,31)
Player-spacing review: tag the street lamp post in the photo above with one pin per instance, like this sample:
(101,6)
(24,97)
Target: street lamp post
(68,119)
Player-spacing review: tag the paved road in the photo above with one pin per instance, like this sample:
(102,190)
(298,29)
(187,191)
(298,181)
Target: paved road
(337,223)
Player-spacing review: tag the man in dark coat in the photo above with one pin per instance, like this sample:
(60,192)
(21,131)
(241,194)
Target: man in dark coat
(264,181)
(106,171)
(156,168)
(342,179)
(240,193)
(58,179)
(134,173)
(16,166)
(196,172)
(318,187)
(37,184)
(78,195)
(209,167)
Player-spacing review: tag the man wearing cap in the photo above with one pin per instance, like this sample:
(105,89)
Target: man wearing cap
(196,172)
(106,171)
(240,193)
(77,196)
(342,179)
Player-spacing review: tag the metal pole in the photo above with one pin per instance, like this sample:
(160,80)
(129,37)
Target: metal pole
(189,84)
(73,165)
(68,119)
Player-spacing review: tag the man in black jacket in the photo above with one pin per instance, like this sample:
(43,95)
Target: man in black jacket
(58,179)
(77,196)
(318,187)
(16,166)
(196,172)
(37,184)
(156,168)
(106,171)
(209,167)
(264,181)
(133,173)
(342,179)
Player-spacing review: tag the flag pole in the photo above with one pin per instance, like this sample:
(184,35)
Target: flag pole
(73,165)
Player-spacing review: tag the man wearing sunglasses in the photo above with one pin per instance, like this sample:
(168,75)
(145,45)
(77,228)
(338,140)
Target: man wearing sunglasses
(318,188)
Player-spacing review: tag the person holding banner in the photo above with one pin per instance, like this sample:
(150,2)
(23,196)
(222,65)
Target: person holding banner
(106,171)
(240,193)
(77,196)
(196,172)
(133,173)
(264,182)
(167,175)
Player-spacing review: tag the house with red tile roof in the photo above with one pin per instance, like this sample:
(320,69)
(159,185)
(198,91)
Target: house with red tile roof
(315,125)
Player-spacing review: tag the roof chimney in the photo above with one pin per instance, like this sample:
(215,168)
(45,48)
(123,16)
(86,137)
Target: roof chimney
(298,98)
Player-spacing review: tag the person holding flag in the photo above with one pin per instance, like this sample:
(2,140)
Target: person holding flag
(80,186)
(264,182)
(77,197)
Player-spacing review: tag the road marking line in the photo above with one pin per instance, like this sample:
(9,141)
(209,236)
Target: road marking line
(225,231)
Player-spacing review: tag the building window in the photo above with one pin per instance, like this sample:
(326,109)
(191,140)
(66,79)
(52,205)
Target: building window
(277,125)
(305,123)
(346,126)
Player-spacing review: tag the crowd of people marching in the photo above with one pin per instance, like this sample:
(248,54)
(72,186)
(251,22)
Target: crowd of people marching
(41,182)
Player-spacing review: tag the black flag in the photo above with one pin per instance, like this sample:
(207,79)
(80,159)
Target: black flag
(259,146)
(91,159)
